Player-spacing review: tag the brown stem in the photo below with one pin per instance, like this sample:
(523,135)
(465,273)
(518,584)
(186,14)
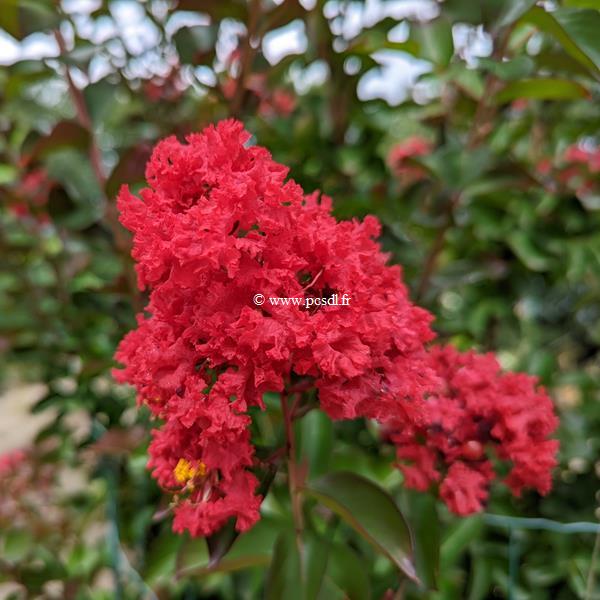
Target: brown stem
(436,248)
(300,411)
(248,53)
(122,239)
(301,386)
(486,109)
(293,474)
(275,456)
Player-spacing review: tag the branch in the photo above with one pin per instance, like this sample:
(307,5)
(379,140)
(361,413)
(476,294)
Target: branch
(436,248)
(121,238)
(293,476)
(248,53)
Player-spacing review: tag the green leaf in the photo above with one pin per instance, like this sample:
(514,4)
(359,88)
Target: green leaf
(493,14)
(516,68)
(17,544)
(435,41)
(316,441)
(65,134)
(524,247)
(99,99)
(162,557)
(19,18)
(129,170)
(194,43)
(8,174)
(479,584)
(282,14)
(465,531)
(283,579)
(346,570)
(220,542)
(556,60)
(426,525)
(510,11)
(542,89)
(371,511)
(217,9)
(594,4)
(562,25)
(456,166)
(583,27)
(316,553)
(251,549)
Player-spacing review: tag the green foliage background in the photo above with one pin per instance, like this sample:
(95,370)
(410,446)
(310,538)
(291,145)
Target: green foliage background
(507,258)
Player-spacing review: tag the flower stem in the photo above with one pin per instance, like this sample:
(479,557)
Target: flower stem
(293,477)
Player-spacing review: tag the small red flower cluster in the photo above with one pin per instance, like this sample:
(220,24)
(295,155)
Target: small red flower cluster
(26,489)
(478,415)
(218,224)
(578,170)
(30,197)
(398,156)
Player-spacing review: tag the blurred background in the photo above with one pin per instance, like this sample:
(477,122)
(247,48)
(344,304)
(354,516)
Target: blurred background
(470,129)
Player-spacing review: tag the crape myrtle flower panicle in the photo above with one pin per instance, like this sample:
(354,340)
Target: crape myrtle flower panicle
(478,414)
(399,155)
(219,223)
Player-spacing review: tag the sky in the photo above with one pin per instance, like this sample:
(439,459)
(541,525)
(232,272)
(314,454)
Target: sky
(393,81)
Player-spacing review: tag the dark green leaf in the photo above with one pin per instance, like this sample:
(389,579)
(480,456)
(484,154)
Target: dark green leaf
(584,50)
(162,557)
(516,68)
(595,4)
(19,18)
(426,526)
(435,41)
(17,544)
(220,542)
(283,14)
(464,532)
(251,549)
(129,170)
(194,43)
(217,9)
(493,14)
(316,435)
(99,99)
(65,134)
(542,89)
(347,571)
(283,579)
(371,511)
(316,555)
(582,26)
(524,247)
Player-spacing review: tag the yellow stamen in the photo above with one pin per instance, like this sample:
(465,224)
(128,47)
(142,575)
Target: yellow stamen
(184,471)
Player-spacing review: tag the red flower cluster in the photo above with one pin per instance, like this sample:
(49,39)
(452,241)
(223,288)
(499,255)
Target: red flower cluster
(168,88)
(578,170)
(479,415)
(398,157)
(11,461)
(26,489)
(218,224)
(30,196)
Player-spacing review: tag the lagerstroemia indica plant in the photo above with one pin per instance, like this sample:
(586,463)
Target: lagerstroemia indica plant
(220,223)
